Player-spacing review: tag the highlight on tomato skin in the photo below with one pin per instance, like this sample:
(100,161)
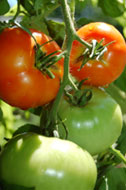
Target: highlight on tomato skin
(104,71)
(21,83)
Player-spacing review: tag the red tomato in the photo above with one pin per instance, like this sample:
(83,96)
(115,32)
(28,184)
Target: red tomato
(21,83)
(99,73)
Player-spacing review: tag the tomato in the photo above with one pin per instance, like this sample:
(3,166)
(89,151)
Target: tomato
(111,65)
(21,83)
(95,126)
(47,163)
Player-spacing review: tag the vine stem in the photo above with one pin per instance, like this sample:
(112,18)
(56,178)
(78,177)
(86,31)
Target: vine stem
(118,154)
(70,36)
(69,39)
(18,10)
(72,7)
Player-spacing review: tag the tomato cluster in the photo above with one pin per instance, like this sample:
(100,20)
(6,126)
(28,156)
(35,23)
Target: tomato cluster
(34,161)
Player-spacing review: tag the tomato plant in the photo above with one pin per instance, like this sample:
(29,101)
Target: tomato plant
(32,75)
(33,160)
(95,126)
(105,70)
(21,83)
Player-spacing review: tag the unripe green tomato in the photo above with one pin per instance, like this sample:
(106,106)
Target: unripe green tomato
(95,126)
(32,160)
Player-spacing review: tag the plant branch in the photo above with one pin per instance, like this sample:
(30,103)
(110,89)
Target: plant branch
(72,7)
(18,11)
(70,36)
(82,41)
(118,154)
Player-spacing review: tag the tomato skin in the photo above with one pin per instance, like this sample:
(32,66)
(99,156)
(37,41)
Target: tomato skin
(94,127)
(97,72)
(21,84)
(33,160)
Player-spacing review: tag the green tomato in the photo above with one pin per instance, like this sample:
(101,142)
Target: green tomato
(95,126)
(47,163)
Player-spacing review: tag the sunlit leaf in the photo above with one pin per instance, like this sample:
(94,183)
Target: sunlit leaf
(27,128)
(113,8)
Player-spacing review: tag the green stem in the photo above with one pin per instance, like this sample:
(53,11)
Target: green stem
(70,29)
(70,36)
(54,109)
(18,10)
(72,83)
(83,41)
(118,154)
(67,17)
(72,7)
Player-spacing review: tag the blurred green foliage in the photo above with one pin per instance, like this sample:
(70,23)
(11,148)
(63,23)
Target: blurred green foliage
(11,119)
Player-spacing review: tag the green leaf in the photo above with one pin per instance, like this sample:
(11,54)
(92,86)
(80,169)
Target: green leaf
(53,27)
(38,6)
(81,4)
(28,6)
(83,21)
(4,7)
(27,128)
(121,143)
(114,179)
(36,22)
(121,81)
(46,6)
(113,8)
(7,186)
(118,95)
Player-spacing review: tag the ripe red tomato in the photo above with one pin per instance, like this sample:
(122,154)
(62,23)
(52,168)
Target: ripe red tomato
(39,162)
(99,73)
(21,83)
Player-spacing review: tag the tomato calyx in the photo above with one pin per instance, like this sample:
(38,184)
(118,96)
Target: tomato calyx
(44,62)
(96,52)
(78,97)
